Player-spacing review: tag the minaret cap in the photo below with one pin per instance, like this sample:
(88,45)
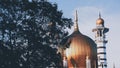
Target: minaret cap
(76,22)
(100,21)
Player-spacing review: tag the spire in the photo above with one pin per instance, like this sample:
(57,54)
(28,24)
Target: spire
(76,22)
(99,15)
(113,65)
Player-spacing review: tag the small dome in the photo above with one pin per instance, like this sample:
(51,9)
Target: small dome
(100,21)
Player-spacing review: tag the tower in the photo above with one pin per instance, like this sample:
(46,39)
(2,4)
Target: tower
(100,39)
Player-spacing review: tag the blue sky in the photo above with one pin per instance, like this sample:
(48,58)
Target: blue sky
(88,13)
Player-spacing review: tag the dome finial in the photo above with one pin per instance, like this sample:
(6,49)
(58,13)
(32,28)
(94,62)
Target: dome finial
(99,15)
(76,17)
(76,22)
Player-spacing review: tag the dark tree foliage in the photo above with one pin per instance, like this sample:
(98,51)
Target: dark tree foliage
(30,31)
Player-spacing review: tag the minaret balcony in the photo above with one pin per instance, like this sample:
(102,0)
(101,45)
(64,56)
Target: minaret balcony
(100,41)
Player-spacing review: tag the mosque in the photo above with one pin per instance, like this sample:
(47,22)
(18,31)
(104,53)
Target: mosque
(80,51)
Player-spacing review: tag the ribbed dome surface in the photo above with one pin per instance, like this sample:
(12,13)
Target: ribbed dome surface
(80,47)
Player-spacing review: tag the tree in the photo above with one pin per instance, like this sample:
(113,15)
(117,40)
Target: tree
(30,32)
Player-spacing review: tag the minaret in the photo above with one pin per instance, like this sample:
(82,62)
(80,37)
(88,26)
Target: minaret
(100,40)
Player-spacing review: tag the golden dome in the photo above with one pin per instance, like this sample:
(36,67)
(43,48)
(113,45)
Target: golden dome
(100,21)
(80,47)
(77,47)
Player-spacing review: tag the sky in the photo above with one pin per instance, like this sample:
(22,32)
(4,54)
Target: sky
(88,11)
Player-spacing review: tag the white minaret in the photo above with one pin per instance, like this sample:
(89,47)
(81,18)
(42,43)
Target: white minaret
(100,40)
